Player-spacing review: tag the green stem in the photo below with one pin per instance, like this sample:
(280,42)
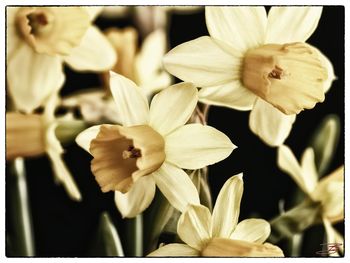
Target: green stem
(22,241)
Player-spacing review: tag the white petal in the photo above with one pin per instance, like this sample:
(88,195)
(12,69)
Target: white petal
(242,27)
(132,104)
(175,250)
(308,168)
(252,230)
(137,199)
(270,124)
(227,207)
(149,60)
(176,186)
(172,107)
(204,62)
(32,77)
(13,39)
(94,53)
(232,94)
(292,24)
(289,164)
(194,146)
(194,226)
(85,137)
(62,175)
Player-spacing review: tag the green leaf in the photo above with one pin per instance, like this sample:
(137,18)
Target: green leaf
(19,236)
(107,241)
(68,129)
(134,236)
(325,141)
(295,220)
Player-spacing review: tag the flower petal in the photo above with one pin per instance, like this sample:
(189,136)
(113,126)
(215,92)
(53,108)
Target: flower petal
(172,107)
(131,103)
(252,230)
(308,168)
(327,84)
(176,186)
(333,237)
(330,191)
(204,62)
(149,60)
(32,77)
(227,207)
(94,53)
(137,199)
(194,226)
(62,175)
(232,94)
(291,24)
(85,137)
(224,247)
(289,164)
(175,250)
(271,125)
(194,146)
(242,27)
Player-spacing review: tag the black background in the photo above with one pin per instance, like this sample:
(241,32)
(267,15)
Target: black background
(65,228)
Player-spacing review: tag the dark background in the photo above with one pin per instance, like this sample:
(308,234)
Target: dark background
(65,228)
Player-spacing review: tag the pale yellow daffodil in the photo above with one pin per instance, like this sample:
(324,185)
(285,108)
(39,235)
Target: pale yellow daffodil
(258,62)
(40,39)
(30,135)
(328,191)
(220,234)
(152,146)
(143,66)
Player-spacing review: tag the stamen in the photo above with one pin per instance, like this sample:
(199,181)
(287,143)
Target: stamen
(276,73)
(37,20)
(131,152)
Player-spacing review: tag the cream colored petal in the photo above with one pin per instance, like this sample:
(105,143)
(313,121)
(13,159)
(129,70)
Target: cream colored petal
(94,53)
(269,124)
(242,27)
(292,23)
(156,84)
(308,168)
(252,230)
(289,164)
(232,94)
(62,175)
(172,107)
(327,84)
(132,105)
(194,226)
(175,250)
(32,77)
(176,186)
(194,146)
(85,137)
(93,11)
(13,39)
(227,207)
(223,247)
(137,199)
(149,60)
(330,191)
(204,62)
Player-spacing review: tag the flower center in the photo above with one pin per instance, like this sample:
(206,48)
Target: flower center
(124,154)
(52,30)
(291,77)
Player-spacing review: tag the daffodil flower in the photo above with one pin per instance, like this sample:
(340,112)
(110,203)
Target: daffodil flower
(152,146)
(256,62)
(144,66)
(40,39)
(219,235)
(30,135)
(329,190)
